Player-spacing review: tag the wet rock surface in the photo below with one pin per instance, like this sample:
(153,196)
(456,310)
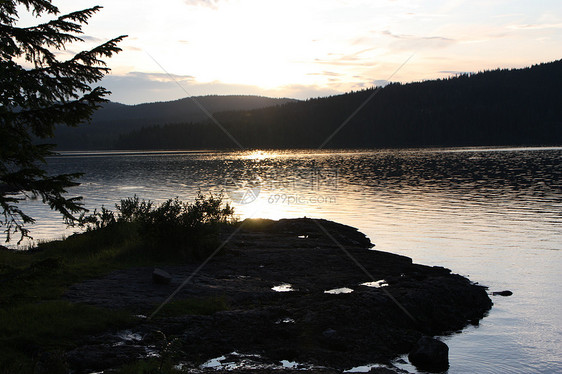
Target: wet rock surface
(160,276)
(304,324)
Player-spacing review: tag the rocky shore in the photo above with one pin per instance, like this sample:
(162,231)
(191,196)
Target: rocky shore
(299,292)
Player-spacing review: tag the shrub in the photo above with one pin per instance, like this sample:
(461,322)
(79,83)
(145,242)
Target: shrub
(173,228)
(132,209)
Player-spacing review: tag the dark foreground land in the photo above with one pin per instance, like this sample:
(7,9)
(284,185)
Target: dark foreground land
(322,331)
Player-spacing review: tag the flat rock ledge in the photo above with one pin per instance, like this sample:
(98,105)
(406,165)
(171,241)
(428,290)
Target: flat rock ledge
(356,323)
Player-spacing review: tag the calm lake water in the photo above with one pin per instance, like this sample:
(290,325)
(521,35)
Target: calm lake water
(494,215)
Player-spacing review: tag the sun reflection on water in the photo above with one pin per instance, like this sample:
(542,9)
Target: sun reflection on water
(258,155)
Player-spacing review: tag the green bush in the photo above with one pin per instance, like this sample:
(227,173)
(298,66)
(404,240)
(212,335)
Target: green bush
(132,209)
(188,231)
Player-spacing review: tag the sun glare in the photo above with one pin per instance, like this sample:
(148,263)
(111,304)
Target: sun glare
(259,155)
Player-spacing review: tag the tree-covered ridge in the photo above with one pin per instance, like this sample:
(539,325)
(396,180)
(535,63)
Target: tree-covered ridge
(499,107)
(114,119)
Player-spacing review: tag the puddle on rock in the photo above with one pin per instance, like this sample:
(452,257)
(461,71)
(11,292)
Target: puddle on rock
(214,363)
(376,284)
(285,320)
(134,339)
(365,368)
(290,364)
(235,360)
(284,287)
(337,291)
(129,336)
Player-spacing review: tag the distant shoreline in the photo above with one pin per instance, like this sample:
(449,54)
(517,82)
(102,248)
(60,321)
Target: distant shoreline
(135,152)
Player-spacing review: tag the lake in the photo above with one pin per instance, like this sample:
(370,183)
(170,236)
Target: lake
(493,215)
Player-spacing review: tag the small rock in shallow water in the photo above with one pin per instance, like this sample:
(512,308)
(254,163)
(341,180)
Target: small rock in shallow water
(160,276)
(430,354)
(382,370)
(502,293)
(329,333)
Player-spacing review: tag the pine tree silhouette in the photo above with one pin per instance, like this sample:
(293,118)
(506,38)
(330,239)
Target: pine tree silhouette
(37,92)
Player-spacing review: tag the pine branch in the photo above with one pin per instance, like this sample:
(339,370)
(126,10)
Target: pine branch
(42,121)
(60,81)
(34,41)
(8,11)
(106,49)
(33,101)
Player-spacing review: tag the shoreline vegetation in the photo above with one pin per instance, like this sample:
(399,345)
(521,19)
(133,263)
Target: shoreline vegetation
(81,304)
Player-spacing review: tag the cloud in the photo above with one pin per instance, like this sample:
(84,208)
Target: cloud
(351,59)
(137,87)
(414,42)
(205,3)
(65,53)
(453,72)
(450,6)
(413,37)
(536,26)
(93,39)
(159,77)
(327,74)
(380,82)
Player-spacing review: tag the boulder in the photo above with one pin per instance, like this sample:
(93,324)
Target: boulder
(160,276)
(430,354)
(502,293)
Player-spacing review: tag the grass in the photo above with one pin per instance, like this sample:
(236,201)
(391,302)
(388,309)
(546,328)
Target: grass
(29,329)
(43,274)
(35,320)
(53,324)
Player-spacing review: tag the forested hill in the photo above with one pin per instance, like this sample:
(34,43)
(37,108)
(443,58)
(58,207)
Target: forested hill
(114,119)
(500,107)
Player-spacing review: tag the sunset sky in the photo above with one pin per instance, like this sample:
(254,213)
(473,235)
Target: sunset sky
(310,48)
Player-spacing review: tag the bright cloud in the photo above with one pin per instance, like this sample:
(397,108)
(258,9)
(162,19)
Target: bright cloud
(208,3)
